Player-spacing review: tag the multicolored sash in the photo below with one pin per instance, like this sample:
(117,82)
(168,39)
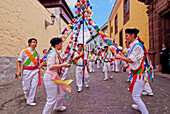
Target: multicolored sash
(32,59)
(91,60)
(143,68)
(98,57)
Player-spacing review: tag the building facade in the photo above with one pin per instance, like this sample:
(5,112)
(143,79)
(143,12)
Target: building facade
(21,20)
(95,37)
(159,28)
(127,14)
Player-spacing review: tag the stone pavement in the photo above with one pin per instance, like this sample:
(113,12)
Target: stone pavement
(111,97)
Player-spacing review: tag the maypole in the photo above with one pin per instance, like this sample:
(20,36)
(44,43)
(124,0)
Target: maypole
(83,47)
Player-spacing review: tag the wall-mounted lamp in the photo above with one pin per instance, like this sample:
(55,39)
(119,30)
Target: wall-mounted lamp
(52,20)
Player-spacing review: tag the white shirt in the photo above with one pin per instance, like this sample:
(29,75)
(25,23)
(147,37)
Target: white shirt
(80,60)
(136,56)
(52,59)
(93,58)
(23,56)
(109,56)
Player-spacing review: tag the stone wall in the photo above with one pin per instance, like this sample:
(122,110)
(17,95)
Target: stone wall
(8,68)
(156,10)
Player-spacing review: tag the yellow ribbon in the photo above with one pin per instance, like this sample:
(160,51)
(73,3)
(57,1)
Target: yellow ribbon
(147,69)
(145,79)
(65,82)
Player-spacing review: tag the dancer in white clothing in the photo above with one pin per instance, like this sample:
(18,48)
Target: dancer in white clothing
(55,92)
(136,60)
(107,58)
(30,59)
(98,59)
(92,59)
(80,67)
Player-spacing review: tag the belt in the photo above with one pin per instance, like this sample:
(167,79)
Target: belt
(30,67)
(80,65)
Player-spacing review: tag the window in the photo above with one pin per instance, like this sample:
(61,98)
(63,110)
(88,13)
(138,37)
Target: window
(111,29)
(121,38)
(116,24)
(126,11)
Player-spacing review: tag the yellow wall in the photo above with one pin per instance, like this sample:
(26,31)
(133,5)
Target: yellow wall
(21,20)
(138,18)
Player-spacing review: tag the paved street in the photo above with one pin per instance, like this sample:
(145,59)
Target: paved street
(111,97)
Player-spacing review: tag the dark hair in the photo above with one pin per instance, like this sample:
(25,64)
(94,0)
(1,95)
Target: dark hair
(105,46)
(55,41)
(79,44)
(44,50)
(166,45)
(30,40)
(132,31)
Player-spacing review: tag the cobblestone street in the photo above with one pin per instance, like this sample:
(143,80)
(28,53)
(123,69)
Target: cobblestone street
(111,97)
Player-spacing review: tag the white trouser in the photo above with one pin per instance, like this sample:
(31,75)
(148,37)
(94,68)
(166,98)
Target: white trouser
(55,95)
(30,82)
(117,65)
(113,66)
(98,63)
(91,65)
(102,66)
(147,87)
(136,94)
(65,73)
(106,69)
(79,76)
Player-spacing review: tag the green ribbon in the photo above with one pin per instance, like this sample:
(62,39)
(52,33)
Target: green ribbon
(106,56)
(28,61)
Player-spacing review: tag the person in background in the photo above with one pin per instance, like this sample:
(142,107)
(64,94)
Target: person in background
(66,57)
(164,55)
(91,60)
(98,59)
(107,58)
(43,61)
(78,57)
(117,61)
(102,62)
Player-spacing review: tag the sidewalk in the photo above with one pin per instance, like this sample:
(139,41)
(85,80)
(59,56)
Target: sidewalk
(162,75)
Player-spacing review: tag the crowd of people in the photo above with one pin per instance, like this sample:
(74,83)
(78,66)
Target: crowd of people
(56,66)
